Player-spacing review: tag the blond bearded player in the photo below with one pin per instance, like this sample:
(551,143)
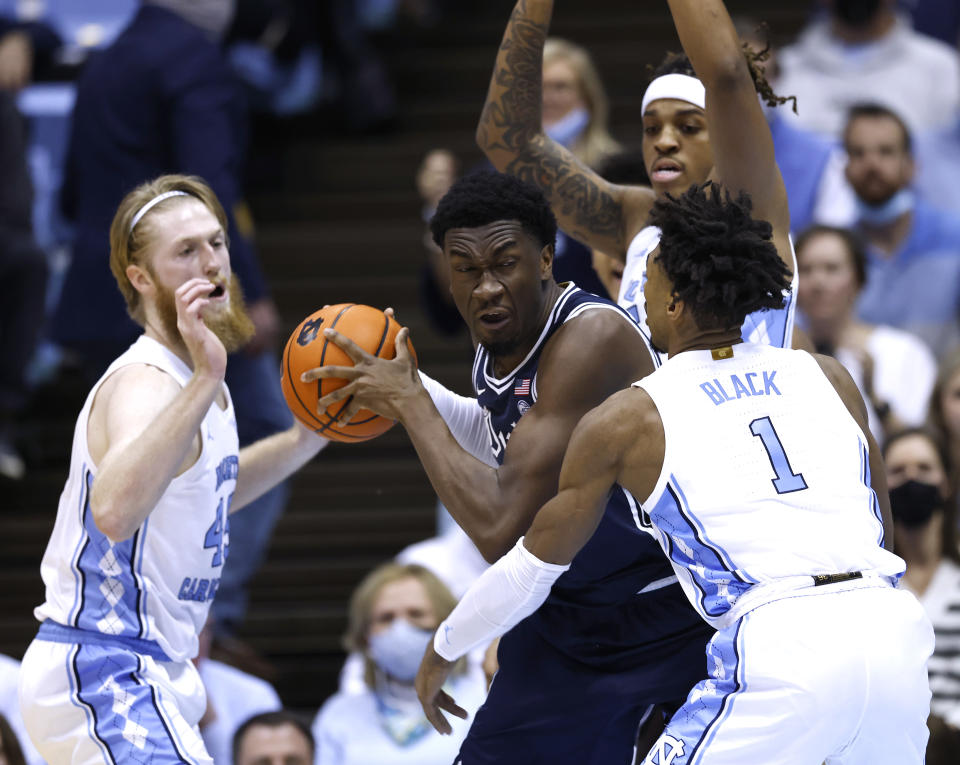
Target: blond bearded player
(142,532)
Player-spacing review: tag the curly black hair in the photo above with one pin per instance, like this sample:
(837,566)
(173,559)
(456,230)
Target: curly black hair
(721,262)
(678,63)
(486,197)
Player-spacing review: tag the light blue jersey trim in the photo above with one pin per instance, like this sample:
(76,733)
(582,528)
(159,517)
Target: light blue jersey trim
(707,565)
(87,709)
(59,633)
(731,653)
(866,478)
(78,551)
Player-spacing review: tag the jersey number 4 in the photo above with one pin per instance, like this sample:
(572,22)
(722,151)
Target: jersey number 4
(216,532)
(786,480)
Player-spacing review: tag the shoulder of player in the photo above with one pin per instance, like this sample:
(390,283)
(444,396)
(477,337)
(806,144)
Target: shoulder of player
(601,338)
(627,419)
(141,385)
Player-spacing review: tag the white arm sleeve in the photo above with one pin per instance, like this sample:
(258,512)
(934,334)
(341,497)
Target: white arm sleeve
(464,417)
(506,594)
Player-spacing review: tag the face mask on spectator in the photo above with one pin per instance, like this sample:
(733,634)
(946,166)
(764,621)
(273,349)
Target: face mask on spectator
(399,648)
(914,502)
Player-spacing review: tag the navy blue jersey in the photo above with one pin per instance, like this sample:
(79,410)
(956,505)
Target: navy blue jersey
(595,611)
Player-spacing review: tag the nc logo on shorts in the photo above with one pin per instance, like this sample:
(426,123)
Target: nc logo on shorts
(665,751)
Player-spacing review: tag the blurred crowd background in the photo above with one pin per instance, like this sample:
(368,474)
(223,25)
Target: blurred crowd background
(329,129)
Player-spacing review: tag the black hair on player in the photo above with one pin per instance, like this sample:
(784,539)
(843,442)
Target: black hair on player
(721,262)
(486,197)
(678,63)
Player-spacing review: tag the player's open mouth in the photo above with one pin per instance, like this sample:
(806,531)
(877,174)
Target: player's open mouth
(666,171)
(218,292)
(494,319)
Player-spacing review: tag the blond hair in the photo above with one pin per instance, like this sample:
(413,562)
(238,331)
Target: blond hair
(596,142)
(361,603)
(128,243)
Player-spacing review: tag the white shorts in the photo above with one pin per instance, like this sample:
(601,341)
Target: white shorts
(834,674)
(89,703)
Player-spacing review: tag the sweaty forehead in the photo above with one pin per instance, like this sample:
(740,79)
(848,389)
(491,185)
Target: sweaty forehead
(486,239)
(184,218)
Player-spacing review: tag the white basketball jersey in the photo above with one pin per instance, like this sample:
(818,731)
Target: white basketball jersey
(772,327)
(158,584)
(765,475)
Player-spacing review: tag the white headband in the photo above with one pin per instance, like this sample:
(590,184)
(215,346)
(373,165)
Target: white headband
(156,200)
(682,87)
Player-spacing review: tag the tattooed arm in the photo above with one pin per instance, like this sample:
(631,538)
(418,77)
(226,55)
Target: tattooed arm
(600,214)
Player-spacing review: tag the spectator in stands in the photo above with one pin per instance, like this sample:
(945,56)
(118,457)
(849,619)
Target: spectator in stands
(913,248)
(393,613)
(10,712)
(436,174)
(10,751)
(233,696)
(862,50)
(26,48)
(23,277)
(576,115)
(925,524)
(938,166)
(893,369)
(273,738)
(944,413)
(163,98)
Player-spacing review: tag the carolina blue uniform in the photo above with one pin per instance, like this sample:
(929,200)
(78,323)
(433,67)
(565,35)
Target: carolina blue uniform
(616,633)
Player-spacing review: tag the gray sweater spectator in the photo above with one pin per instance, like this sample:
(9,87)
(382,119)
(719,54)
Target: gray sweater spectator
(864,51)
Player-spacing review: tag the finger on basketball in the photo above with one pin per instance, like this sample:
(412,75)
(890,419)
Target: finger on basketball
(400,343)
(334,396)
(324,373)
(354,351)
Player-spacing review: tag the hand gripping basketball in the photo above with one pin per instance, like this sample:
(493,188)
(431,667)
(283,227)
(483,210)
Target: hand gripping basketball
(342,371)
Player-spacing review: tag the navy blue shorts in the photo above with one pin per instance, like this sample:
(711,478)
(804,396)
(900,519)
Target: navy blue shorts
(546,708)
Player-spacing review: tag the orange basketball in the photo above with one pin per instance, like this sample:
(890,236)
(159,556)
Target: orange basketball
(308,348)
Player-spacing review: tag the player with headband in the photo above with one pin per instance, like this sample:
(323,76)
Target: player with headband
(142,529)
(702,121)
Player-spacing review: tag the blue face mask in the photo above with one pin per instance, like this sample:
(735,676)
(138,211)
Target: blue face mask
(887,212)
(399,649)
(569,128)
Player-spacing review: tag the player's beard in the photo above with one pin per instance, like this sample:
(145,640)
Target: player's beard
(231,325)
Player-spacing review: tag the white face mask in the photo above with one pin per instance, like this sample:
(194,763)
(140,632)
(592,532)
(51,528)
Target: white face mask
(399,649)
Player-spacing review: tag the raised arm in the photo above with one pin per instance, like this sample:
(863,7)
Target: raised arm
(144,428)
(847,389)
(600,214)
(587,360)
(741,140)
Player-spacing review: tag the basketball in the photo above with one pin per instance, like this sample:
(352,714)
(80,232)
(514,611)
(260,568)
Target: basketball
(308,348)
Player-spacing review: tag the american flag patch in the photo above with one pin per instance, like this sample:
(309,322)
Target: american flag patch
(522,388)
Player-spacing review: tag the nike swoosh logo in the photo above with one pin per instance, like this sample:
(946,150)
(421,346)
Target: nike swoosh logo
(482,390)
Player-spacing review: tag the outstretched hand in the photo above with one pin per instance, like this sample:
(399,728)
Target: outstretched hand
(380,385)
(431,676)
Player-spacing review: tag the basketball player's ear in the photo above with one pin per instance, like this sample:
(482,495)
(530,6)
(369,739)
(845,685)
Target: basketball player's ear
(546,262)
(139,278)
